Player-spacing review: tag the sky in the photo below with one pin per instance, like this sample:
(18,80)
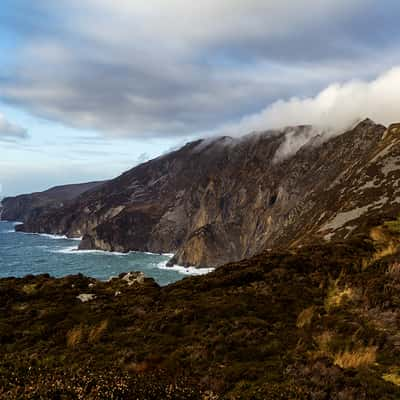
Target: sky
(90,88)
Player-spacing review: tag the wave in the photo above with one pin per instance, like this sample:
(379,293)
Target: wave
(14,223)
(58,237)
(66,250)
(11,222)
(75,250)
(51,236)
(185,270)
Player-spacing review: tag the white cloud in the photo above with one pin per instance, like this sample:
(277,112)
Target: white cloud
(10,130)
(155,68)
(333,110)
(181,22)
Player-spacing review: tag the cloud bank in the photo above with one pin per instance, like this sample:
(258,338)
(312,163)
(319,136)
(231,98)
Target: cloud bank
(156,68)
(10,131)
(334,109)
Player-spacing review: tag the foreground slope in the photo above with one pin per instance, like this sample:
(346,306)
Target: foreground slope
(319,322)
(222,200)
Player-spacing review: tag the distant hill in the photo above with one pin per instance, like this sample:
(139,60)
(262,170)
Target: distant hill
(19,208)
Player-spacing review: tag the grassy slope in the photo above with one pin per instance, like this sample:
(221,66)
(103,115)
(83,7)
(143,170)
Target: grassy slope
(321,323)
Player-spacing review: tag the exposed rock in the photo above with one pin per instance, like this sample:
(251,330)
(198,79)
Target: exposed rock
(221,200)
(133,277)
(85,297)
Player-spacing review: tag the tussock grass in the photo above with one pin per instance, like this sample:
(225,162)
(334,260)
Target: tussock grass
(305,317)
(361,357)
(29,289)
(377,234)
(393,226)
(394,270)
(323,341)
(75,336)
(337,297)
(97,332)
(387,241)
(391,249)
(392,377)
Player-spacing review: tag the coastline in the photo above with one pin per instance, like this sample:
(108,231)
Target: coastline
(183,270)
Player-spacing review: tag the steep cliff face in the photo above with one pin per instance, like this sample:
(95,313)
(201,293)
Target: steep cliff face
(20,207)
(221,200)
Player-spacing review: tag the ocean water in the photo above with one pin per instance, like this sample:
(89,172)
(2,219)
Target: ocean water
(23,254)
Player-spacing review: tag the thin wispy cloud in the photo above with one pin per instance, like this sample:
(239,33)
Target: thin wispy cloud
(11,131)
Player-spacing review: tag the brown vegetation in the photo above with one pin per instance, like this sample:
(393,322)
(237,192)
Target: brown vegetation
(307,324)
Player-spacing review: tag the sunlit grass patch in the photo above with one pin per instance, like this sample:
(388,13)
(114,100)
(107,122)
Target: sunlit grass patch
(305,317)
(29,289)
(393,226)
(394,269)
(338,296)
(361,357)
(98,331)
(392,377)
(75,336)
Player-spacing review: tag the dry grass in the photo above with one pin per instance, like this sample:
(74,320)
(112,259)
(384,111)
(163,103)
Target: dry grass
(75,336)
(357,358)
(305,317)
(378,235)
(387,239)
(98,331)
(323,341)
(337,297)
(394,270)
(391,249)
(29,289)
(392,377)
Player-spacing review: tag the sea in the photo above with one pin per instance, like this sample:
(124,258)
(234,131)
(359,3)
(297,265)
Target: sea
(24,254)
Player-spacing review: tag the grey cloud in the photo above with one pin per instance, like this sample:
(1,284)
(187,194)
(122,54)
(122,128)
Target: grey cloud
(156,68)
(10,131)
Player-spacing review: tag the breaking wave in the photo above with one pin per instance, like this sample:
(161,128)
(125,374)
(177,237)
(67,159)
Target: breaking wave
(185,270)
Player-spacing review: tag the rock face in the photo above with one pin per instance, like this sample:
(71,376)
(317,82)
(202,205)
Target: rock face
(214,201)
(21,207)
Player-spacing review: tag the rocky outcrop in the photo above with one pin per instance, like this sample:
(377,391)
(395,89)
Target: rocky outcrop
(220,200)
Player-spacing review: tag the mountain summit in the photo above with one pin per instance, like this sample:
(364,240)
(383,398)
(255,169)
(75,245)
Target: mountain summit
(220,200)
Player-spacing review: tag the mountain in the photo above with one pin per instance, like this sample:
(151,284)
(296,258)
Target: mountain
(220,200)
(19,208)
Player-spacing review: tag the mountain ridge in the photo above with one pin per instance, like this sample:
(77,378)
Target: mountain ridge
(18,208)
(221,200)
